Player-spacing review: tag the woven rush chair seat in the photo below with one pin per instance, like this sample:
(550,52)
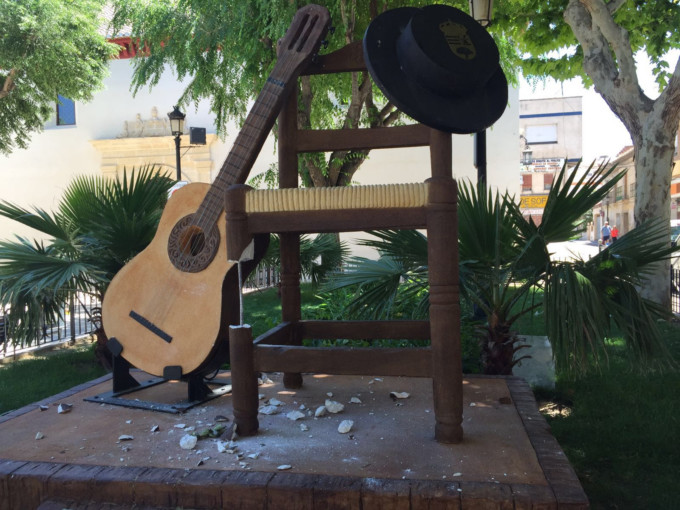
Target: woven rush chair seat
(381,196)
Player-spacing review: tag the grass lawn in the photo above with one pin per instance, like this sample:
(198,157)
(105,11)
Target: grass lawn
(622,432)
(620,429)
(29,380)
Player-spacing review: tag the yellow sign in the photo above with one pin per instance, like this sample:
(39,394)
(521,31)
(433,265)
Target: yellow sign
(533,201)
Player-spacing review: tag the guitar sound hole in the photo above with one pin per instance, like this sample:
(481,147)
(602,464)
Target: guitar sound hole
(190,247)
(192,241)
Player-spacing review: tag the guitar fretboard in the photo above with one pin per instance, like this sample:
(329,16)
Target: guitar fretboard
(246,147)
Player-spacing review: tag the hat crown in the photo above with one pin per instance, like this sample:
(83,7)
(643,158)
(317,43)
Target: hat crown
(446,51)
(438,65)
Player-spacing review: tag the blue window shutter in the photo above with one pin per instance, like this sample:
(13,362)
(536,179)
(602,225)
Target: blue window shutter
(66,111)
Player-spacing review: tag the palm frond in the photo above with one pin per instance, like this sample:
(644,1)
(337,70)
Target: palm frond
(321,255)
(37,219)
(571,196)
(408,246)
(377,285)
(576,319)
(33,269)
(99,225)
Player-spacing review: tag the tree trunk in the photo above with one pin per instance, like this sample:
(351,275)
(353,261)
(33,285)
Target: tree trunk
(652,124)
(653,169)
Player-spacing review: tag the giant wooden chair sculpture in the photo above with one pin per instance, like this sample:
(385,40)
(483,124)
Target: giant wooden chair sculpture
(430,205)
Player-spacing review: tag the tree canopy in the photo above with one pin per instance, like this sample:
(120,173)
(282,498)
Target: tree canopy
(228,47)
(47,47)
(545,35)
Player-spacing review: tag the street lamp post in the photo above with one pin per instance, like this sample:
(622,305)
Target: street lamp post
(481,11)
(606,204)
(177,127)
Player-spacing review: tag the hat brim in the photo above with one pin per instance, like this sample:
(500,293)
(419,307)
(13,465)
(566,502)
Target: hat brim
(471,112)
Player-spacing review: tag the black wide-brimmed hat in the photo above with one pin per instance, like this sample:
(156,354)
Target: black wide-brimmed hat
(439,66)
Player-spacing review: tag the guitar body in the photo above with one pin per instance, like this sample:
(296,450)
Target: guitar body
(165,317)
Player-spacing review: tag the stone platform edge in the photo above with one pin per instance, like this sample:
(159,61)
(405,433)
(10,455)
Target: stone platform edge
(27,485)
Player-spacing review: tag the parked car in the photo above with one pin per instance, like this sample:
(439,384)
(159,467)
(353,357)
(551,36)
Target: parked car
(675,232)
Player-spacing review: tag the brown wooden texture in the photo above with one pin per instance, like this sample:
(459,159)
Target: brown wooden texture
(245,490)
(442,226)
(150,305)
(281,334)
(289,242)
(27,485)
(243,380)
(73,482)
(435,495)
(291,491)
(380,494)
(7,467)
(348,220)
(484,495)
(406,329)
(415,362)
(443,361)
(202,488)
(332,492)
(159,487)
(416,135)
(346,59)
(237,237)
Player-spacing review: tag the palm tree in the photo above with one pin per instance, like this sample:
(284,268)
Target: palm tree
(98,226)
(319,255)
(504,258)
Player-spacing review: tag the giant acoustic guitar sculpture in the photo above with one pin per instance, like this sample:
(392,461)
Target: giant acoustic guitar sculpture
(164,312)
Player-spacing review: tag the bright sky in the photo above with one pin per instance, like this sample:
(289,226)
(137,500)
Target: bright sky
(603,132)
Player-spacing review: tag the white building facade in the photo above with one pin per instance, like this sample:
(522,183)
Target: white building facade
(117,130)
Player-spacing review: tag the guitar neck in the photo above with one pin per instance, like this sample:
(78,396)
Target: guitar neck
(248,143)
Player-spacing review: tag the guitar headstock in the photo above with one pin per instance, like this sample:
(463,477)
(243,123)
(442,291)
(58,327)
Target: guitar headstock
(304,36)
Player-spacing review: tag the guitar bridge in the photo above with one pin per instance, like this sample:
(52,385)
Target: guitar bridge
(151,326)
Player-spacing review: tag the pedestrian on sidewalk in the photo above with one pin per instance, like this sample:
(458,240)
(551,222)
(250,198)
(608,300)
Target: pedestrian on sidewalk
(614,233)
(606,233)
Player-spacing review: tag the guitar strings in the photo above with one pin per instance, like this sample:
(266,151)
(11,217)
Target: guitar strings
(208,209)
(209,212)
(212,205)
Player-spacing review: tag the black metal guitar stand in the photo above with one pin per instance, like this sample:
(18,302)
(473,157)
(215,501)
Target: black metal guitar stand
(198,387)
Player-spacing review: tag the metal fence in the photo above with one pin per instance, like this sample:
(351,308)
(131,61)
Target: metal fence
(675,290)
(74,322)
(76,317)
(262,277)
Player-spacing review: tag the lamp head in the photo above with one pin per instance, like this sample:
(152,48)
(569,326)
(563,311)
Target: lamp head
(176,121)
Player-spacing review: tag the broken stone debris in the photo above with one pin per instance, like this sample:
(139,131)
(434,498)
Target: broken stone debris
(295,415)
(188,442)
(345,426)
(334,407)
(399,394)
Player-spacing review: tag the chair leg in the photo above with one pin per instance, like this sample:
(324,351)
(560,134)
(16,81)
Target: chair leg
(447,376)
(243,380)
